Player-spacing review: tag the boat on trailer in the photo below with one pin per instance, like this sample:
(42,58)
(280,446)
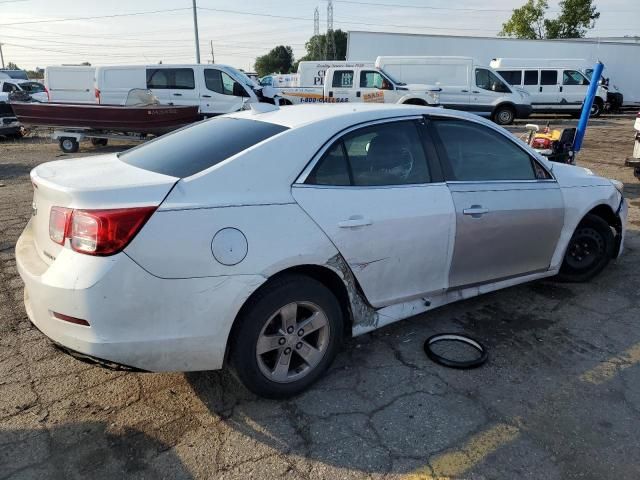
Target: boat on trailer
(141,116)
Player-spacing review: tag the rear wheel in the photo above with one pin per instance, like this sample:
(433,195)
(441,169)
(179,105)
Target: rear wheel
(504,115)
(69,145)
(589,250)
(287,336)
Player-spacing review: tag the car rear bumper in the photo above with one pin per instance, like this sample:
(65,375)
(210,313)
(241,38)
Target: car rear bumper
(135,319)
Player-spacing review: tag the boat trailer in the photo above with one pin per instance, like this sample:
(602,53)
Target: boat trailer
(69,138)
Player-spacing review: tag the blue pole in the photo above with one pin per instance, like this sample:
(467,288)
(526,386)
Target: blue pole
(586,108)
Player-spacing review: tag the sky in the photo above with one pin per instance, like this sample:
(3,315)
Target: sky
(37,33)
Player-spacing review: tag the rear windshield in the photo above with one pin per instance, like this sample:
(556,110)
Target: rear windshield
(195,148)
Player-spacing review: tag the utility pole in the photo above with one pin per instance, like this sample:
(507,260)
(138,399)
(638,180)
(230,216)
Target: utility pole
(195,29)
(1,56)
(213,59)
(330,44)
(316,53)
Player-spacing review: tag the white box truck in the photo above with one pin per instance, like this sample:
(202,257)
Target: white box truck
(70,83)
(464,85)
(619,56)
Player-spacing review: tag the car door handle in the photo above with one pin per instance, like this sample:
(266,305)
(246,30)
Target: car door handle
(464,91)
(475,91)
(476,211)
(540,88)
(206,96)
(177,94)
(560,87)
(358,94)
(354,221)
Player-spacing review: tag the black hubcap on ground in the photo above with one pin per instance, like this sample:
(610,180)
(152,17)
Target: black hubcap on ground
(585,250)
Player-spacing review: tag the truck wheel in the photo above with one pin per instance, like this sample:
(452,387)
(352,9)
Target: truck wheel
(504,115)
(69,145)
(287,336)
(597,108)
(589,250)
(99,142)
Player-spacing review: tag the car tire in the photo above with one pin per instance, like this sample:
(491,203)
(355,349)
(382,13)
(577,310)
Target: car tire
(69,145)
(269,346)
(597,108)
(504,115)
(588,252)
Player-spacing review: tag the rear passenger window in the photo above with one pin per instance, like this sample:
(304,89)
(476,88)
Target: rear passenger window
(549,77)
(199,146)
(171,78)
(385,154)
(531,77)
(343,79)
(477,153)
(333,168)
(572,77)
(513,77)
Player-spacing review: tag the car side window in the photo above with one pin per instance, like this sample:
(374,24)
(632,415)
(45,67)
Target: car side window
(531,77)
(373,79)
(475,152)
(9,87)
(379,155)
(487,80)
(572,77)
(513,77)
(218,81)
(171,78)
(342,79)
(549,77)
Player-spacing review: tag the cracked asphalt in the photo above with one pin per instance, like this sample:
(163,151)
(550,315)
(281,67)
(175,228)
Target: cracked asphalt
(558,399)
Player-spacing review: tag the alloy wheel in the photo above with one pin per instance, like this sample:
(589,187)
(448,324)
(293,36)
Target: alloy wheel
(292,342)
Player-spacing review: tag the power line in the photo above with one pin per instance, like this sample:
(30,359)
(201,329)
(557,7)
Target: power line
(425,7)
(71,19)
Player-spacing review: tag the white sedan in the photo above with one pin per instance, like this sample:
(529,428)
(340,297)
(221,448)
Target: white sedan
(261,238)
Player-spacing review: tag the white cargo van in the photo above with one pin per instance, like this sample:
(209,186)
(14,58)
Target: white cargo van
(70,83)
(465,85)
(216,89)
(555,85)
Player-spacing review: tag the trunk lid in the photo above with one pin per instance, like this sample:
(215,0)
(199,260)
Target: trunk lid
(100,182)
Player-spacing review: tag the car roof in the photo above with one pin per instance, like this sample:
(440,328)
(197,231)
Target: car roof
(294,116)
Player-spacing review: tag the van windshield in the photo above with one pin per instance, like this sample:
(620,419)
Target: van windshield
(244,77)
(392,78)
(197,147)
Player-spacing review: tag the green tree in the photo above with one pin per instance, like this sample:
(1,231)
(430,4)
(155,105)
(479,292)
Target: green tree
(529,21)
(12,66)
(278,60)
(316,47)
(526,21)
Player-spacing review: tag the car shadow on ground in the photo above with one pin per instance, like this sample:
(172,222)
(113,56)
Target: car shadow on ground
(14,170)
(384,407)
(86,450)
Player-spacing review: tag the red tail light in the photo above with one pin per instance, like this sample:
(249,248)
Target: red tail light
(96,92)
(541,143)
(48,94)
(98,232)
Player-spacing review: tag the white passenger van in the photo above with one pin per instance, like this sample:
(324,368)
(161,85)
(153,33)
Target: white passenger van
(216,89)
(555,85)
(70,83)
(465,85)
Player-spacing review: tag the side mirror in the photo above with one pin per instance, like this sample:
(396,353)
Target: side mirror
(239,91)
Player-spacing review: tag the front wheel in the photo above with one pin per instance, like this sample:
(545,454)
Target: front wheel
(589,250)
(597,108)
(287,336)
(504,115)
